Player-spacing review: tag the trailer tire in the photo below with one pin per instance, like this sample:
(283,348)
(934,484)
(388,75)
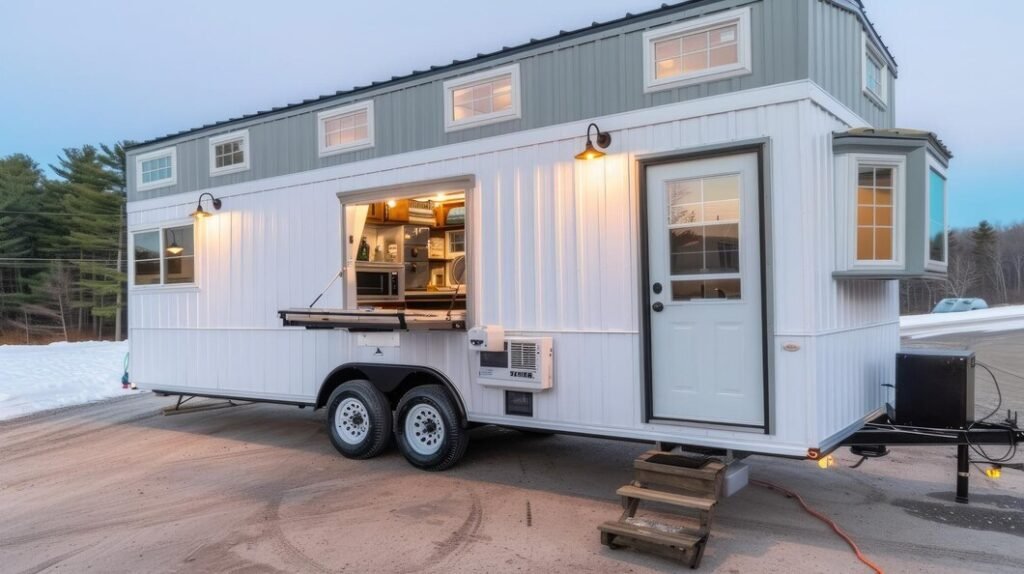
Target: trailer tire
(428,429)
(359,420)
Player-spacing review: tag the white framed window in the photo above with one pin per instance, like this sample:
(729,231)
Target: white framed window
(229,153)
(164,256)
(156,169)
(701,50)
(874,73)
(877,236)
(937,218)
(345,129)
(483,98)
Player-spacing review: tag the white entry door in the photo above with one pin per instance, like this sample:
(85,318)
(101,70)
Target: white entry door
(704,276)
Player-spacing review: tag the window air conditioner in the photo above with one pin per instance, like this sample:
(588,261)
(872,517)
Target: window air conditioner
(524,364)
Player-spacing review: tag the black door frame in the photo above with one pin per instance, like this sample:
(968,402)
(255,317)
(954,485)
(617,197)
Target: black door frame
(760,147)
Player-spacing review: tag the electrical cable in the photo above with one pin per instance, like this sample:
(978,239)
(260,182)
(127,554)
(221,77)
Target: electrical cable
(1011,450)
(835,527)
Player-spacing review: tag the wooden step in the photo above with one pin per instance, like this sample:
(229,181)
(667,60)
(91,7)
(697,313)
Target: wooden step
(707,488)
(658,534)
(654,538)
(679,465)
(694,502)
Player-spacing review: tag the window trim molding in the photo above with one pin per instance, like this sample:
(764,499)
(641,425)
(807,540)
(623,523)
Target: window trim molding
(899,202)
(869,50)
(223,138)
(321,118)
(159,228)
(513,113)
(171,151)
(743,50)
(932,164)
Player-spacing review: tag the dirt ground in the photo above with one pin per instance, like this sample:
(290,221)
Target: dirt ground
(118,487)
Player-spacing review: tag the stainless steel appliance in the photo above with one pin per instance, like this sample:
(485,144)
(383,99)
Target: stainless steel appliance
(415,241)
(378,282)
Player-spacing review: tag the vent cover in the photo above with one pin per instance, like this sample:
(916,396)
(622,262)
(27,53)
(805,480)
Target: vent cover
(523,356)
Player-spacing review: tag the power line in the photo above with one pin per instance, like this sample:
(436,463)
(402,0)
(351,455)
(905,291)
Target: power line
(59,213)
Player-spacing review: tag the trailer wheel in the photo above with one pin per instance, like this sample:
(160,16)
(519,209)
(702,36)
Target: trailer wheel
(359,420)
(428,429)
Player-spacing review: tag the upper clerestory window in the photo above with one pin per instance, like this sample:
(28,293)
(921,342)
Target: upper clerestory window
(347,128)
(700,50)
(229,153)
(875,73)
(483,98)
(156,169)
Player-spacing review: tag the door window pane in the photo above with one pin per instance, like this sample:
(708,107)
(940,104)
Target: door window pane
(706,289)
(704,228)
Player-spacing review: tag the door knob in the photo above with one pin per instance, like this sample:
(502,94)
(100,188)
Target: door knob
(657,307)
(656,288)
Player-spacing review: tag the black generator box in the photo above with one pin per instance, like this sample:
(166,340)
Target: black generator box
(934,388)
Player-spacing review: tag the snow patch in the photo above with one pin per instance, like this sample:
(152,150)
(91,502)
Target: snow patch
(41,377)
(990,320)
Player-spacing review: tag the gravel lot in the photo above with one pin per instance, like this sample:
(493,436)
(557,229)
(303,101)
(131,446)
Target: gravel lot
(118,487)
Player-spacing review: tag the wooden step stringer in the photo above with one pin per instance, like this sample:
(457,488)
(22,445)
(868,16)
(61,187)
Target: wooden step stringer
(664,479)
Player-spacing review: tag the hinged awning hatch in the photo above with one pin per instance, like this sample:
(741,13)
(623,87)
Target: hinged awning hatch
(374,319)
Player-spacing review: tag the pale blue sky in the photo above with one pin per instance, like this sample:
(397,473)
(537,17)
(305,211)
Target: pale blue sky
(76,72)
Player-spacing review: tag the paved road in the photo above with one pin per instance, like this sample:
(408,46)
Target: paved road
(117,487)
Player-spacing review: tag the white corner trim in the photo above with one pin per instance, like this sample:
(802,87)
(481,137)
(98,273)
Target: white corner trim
(242,135)
(741,16)
(515,112)
(322,117)
(166,182)
(869,50)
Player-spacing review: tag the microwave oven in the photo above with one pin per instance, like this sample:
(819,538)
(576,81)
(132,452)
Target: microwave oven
(380,281)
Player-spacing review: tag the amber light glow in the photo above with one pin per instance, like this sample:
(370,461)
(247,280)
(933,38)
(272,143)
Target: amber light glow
(604,139)
(201,213)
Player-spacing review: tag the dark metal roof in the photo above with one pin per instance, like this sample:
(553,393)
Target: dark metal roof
(897,134)
(481,57)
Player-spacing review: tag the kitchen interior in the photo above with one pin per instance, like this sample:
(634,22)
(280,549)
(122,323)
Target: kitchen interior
(411,254)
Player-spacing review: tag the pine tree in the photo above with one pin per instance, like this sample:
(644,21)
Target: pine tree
(987,260)
(94,201)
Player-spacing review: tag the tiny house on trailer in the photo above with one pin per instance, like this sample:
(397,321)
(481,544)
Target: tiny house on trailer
(681,226)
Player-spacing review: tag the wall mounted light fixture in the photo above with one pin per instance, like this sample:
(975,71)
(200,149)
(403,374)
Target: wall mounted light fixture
(200,213)
(604,139)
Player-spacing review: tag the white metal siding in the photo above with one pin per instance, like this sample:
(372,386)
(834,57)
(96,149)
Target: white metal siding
(555,252)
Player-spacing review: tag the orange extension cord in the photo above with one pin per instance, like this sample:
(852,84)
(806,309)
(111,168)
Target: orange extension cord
(823,518)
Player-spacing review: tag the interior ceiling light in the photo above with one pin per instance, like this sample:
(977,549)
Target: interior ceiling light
(174,248)
(604,139)
(200,213)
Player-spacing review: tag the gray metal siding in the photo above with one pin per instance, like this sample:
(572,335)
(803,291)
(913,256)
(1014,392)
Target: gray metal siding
(582,77)
(836,60)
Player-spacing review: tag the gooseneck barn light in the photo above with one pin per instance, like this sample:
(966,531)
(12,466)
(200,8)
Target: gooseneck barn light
(604,139)
(200,213)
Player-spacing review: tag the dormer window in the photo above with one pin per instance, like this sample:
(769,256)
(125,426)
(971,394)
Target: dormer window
(156,169)
(345,129)
(701,50)
(483,98)
(875,73)
(229,153)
